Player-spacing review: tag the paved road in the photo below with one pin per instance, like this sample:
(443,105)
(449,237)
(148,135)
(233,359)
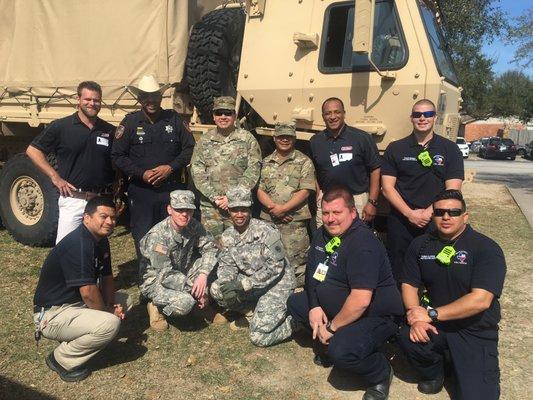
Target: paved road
(517,175)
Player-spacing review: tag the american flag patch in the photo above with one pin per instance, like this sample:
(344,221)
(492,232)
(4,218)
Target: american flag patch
(160,248)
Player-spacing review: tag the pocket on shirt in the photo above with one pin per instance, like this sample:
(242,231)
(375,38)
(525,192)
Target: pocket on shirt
(139,145)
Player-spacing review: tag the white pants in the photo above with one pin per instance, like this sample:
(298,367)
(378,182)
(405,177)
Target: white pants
(70,215)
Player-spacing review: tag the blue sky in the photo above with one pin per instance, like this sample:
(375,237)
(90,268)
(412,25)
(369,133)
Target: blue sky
(500,51)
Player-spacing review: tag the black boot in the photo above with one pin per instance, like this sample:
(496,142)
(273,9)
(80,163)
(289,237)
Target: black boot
(381,390)
(433,386)
(74,375)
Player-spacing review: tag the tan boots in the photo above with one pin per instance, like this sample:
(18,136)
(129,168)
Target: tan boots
(157,320)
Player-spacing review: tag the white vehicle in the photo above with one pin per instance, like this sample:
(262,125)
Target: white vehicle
(463,146)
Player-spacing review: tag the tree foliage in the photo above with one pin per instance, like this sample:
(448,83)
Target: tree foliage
(521,34)
(512,96)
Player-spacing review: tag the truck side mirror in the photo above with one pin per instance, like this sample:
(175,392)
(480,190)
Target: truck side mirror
(363,27)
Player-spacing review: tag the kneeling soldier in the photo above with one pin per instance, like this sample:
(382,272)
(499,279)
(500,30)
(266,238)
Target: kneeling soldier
(178,254)
(254,273)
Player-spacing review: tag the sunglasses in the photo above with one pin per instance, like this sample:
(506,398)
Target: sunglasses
(452,212)
(426,114)
(226,113)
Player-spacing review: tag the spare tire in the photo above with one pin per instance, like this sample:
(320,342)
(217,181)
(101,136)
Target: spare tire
(213,58)
(28,203)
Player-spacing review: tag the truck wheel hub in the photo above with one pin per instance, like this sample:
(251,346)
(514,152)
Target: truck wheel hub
(26,200)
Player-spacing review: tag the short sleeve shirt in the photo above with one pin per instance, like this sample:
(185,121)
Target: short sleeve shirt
(83,155)
(360,262)
(77,260)
(478,263)
(282,177)
(347,159)
(419,185)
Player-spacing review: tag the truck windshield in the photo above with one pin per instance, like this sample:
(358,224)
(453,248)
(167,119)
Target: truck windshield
(438,44)
(388,52)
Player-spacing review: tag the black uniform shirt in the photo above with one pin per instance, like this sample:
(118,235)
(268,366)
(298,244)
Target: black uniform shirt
(360,262)
(77,260)
(83,155)
(419,185)
(479,263)
(347,159)
(140,145)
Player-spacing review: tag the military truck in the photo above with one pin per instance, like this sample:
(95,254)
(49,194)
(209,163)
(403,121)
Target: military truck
(280,58)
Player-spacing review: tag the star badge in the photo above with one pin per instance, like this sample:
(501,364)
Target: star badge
(169,129)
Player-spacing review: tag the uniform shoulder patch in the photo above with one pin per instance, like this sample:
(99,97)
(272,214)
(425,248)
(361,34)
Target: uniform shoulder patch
(161,249)
(119,132)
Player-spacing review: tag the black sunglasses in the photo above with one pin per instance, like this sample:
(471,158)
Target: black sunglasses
(426,114)
(452,212)
(226,113)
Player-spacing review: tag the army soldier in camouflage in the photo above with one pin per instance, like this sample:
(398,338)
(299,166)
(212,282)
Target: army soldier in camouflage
(287,180)
(178,254)
(223,158)
(253,272)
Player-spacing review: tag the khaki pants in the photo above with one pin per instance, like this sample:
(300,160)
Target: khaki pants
(83,332)
(360,201)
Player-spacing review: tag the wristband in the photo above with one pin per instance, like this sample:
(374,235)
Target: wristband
(373,202)
(328,328)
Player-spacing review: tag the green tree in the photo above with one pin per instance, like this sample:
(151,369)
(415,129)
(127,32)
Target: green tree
(521,34)
(468,25)
(512,96)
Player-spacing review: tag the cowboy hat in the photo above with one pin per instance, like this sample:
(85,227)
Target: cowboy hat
(148,84)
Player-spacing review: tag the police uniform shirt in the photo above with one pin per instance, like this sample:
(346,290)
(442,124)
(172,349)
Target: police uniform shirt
(83,155)
(360,262)
(141,145)
(478,263)
(419,185)
(77,260)
(347,159)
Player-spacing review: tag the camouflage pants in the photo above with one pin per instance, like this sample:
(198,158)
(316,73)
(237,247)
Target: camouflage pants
(214,220)
(270,323)
(296,242)
(171,290)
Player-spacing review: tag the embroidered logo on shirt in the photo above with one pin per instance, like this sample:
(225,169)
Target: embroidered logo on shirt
(140,131)
(169,129)
(320,249)
(409,158)
(119,132)
(438,159)
(346,148)
(161,249)
(333,258)
(460,257)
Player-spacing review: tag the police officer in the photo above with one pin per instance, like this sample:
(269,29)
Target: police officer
(254,275)
(178,255)
(75,301)
(463,272)
(344,155)
(350,297)
(287,180)
(414,170)
(82,146)
(152,147)
(224,157)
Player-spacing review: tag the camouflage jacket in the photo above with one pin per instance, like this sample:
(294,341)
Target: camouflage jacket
(168,254)
(282,177)
(258,254)
(220,162)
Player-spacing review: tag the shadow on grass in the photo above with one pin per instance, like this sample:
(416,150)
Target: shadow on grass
(11,390)
(128,274)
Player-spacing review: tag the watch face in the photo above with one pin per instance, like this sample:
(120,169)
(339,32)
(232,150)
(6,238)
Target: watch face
(433,313)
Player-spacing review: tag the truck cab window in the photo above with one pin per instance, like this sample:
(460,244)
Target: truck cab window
(389,50)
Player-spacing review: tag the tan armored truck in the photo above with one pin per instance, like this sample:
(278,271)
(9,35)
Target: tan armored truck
(281,58)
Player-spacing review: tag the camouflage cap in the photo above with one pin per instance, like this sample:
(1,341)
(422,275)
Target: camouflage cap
(224,103)
(180,199)
(285,129)
(239,197)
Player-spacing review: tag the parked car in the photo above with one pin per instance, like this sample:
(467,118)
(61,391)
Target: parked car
(529,150)
(463,146)
(476,144)
(498,148)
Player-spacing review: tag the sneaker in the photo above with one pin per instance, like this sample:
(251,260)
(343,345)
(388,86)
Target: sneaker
(74,375)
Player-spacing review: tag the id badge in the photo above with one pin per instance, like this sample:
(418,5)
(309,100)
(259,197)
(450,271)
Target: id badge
(334,159)
(102,141)
(320,272)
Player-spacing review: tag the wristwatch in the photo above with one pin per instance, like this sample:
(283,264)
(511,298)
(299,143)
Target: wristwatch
(433,314)
(373,202)
(328,328)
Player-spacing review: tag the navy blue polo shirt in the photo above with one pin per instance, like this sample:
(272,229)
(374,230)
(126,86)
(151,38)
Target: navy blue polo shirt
(77,260)
(345,160)
(479,263)
(83,155)
(419,185)
(141,145)
(360,262)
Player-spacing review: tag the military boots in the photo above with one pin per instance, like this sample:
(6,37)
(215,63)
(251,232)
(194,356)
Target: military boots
(157,320)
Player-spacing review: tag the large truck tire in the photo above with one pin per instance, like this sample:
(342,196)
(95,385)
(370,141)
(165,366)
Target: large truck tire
(28,203)
(213,57)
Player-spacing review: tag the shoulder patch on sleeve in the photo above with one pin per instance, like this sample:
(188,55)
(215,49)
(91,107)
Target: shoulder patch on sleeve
(161,249)
(119,132)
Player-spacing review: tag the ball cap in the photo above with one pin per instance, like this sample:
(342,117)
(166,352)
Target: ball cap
(224,103)
(182,199)
(285,129)
(239,197)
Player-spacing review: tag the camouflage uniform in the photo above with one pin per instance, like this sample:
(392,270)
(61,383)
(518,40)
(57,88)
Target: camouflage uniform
(257,259)
(281,177)
(172,260)
(221,162)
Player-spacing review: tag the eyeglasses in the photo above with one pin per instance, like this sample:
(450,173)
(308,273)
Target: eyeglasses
(426,114)
(452,212)
(226,113)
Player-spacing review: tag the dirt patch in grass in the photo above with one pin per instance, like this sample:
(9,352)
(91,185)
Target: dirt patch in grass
(195,361)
